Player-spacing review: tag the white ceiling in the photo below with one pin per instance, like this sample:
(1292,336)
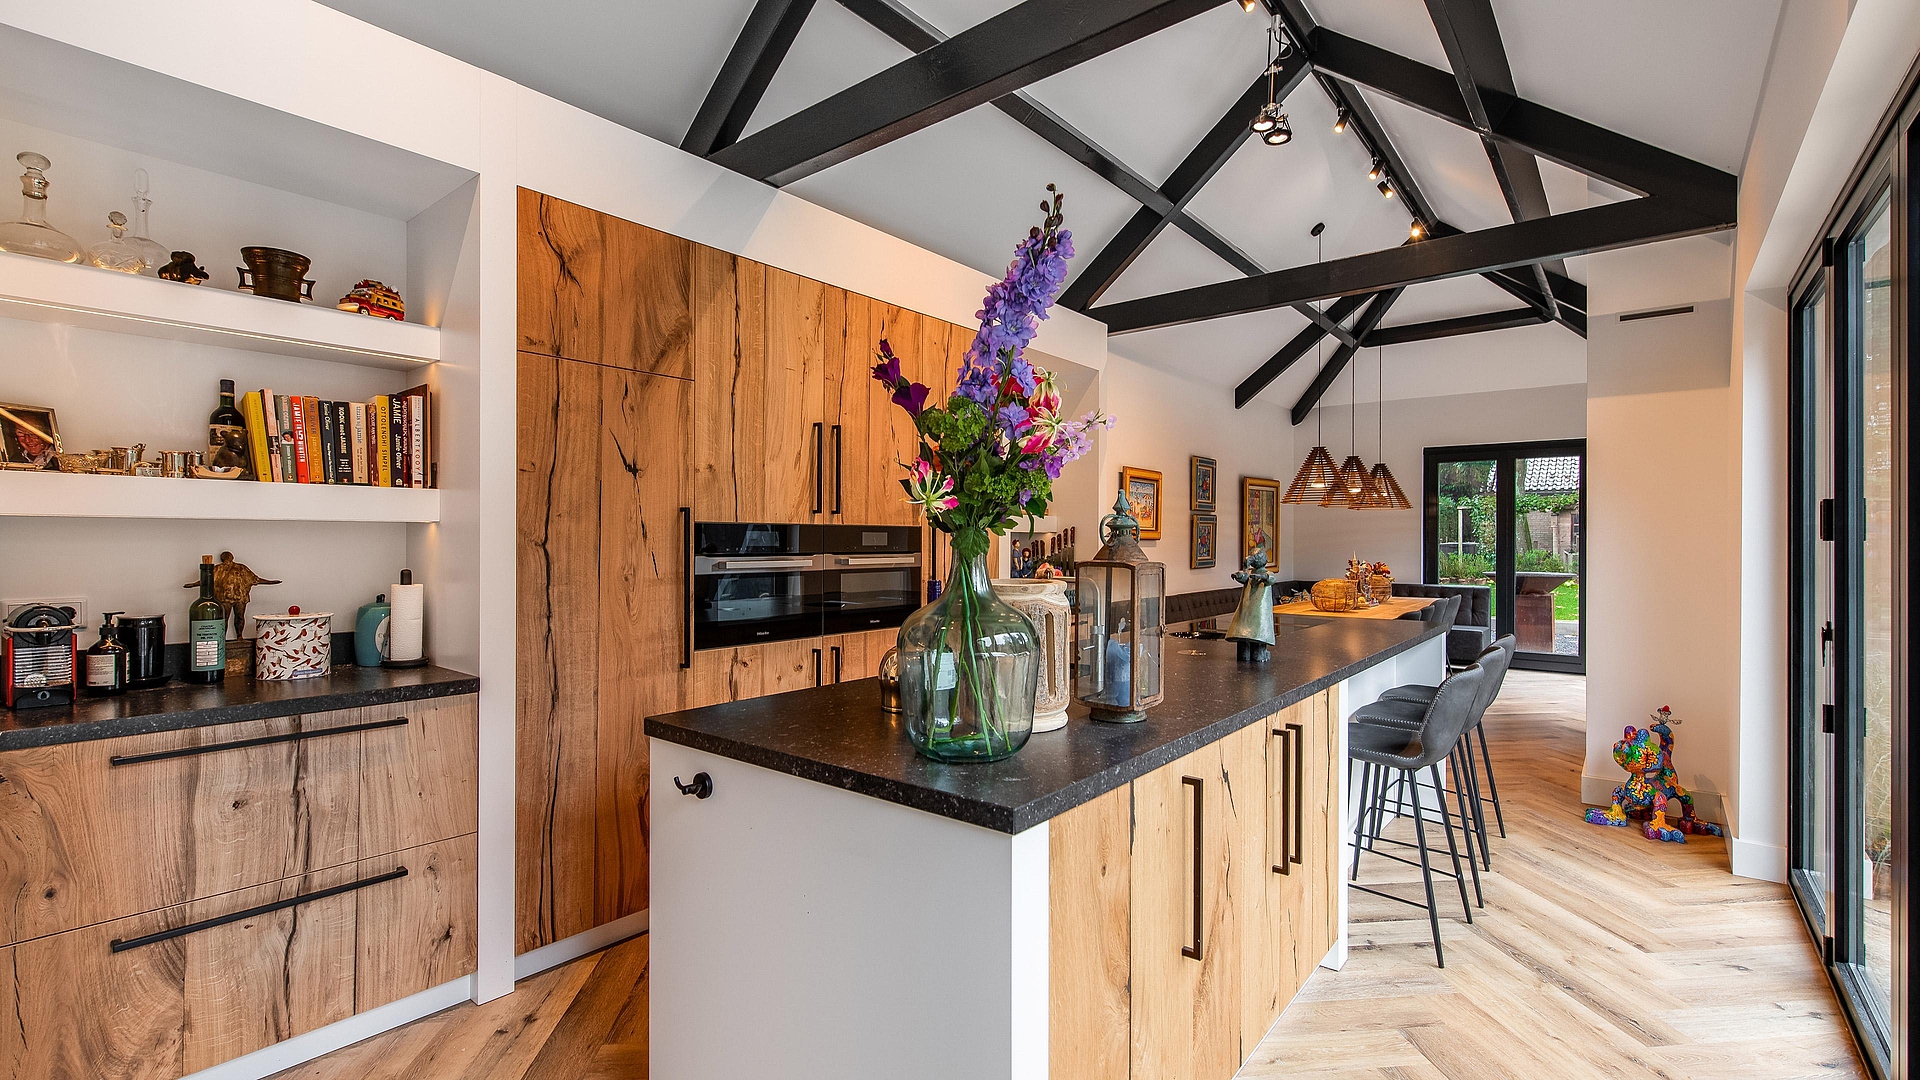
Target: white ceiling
(1685,77)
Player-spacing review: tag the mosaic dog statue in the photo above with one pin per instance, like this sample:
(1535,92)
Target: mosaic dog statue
(1651,789)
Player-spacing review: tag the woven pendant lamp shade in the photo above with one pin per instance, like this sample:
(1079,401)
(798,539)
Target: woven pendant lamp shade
(1350,489)
(1316,477)
(1386,490)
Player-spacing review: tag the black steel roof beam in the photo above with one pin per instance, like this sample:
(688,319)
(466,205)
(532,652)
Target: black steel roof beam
(1317,317)
(744,76)
(1376,310)
(1445,328)
(1019,46)
(1290,353)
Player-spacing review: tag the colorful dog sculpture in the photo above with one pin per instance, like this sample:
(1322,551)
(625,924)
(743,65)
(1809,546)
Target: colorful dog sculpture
(1651,786)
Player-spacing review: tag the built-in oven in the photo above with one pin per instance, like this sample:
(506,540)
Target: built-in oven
(872,576)
(754,583)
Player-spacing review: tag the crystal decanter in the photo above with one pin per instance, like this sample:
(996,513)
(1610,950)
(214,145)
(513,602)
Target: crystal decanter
(117,252)
(155,253)
(31,235)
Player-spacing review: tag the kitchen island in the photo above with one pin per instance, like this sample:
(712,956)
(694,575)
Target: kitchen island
(1114,900)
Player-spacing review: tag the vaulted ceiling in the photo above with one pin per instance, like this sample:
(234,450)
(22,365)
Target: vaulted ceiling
(1684,78)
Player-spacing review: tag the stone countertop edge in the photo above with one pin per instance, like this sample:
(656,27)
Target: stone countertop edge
(178,705)
(998,816)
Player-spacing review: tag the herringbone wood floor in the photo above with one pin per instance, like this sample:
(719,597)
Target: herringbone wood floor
(1599,955)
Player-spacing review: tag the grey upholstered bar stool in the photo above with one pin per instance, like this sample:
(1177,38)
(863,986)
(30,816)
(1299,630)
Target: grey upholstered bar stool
(1387,750)
(1420,694)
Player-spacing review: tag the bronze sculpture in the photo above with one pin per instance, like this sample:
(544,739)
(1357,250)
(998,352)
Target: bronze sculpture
(1252,628)
(233,584)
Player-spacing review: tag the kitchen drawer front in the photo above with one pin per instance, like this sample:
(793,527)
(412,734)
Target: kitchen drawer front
(99,830)
(134,1000)
(417,780)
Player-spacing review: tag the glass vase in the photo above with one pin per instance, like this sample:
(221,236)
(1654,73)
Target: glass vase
(968,668)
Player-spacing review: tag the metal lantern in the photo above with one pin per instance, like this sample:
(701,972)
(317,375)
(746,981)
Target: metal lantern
(1119,619)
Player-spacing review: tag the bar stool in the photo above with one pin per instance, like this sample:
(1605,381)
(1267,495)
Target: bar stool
(1385,748)
(1421,694)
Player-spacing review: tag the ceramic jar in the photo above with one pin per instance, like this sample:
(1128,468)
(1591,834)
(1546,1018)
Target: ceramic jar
(297,645)
(1044,603)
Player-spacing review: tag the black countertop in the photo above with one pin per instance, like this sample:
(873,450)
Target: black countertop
(838,735)
(186,705)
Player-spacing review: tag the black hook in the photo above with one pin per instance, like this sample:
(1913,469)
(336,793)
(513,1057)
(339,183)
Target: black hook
(701,788)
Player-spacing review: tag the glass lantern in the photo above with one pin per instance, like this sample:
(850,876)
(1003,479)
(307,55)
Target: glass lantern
(1118,624)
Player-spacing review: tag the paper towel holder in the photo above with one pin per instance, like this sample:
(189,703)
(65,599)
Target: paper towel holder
(406,578)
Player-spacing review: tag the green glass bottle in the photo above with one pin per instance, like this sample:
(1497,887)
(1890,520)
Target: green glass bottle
(206,632)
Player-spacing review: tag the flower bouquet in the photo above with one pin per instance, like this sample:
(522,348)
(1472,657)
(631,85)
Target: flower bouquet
(987,457)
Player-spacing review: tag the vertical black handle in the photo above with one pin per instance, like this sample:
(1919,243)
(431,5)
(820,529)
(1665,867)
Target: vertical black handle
(1193,951)
(819,465)
(836,663)
(816,667)
(1285,864)
(686,574)
(839,456)
(1299,816)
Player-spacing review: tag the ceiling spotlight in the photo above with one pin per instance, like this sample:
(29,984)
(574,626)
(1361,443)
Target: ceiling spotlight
(1386,188)
(1377,171)
(1340,123)
(1282,133)
(1249,5)
(1415,231)
(1268,120)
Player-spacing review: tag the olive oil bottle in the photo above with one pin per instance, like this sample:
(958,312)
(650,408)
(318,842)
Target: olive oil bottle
(206,632)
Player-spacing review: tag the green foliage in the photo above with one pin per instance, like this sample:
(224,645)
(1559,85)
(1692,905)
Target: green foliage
(1541,561)
(1469,569)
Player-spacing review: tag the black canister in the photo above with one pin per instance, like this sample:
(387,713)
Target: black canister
(145,638)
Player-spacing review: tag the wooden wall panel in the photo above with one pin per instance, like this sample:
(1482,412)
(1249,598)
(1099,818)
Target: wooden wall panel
(850,388)
(719,361)
(792,421)
(597,288)
(557,636)
(892,437)
(1089,939)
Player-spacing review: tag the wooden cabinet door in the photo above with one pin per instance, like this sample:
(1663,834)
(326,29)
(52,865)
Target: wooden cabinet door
(1320,847)
(852,461)
(1186,969)
(892,434)
(416,932)
(602,289)
(1090,931)
(417,781)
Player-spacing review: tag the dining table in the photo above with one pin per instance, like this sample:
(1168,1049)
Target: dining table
(1390,608)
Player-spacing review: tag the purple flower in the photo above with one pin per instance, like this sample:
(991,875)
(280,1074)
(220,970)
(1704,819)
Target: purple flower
(1010,316)
(888,370)
(911,397)
(976,384)
(1013,419)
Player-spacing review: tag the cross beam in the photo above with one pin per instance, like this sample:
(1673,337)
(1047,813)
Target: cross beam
(1370,318)
(1444,328)
(1292,351)
(744,77)
(1011,50)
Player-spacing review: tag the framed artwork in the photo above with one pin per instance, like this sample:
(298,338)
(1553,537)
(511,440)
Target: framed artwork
(1143,491)
(1204,471)
(28,435)
(1206,528)
(1260,518)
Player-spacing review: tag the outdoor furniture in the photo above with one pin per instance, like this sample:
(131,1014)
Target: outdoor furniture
(1533,609)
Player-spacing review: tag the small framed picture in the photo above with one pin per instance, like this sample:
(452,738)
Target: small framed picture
(1143,491)
(29,437)
(1204,471)
(1260,518)
(1206,530)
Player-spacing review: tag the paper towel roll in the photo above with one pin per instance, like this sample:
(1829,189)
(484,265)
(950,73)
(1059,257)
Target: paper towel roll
(406,621)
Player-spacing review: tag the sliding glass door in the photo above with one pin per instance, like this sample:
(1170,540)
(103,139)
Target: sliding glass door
(1510,516)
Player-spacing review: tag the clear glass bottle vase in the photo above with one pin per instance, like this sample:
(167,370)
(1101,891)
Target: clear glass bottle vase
(969,662)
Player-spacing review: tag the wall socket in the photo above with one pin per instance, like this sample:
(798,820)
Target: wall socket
(77,603)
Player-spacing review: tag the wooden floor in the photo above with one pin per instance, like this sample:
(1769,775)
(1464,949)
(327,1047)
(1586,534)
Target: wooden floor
(1599,954)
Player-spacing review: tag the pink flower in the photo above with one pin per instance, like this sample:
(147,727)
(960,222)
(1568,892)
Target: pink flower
(927,487)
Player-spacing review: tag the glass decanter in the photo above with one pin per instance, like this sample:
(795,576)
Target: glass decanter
(117,252)
(156,253)
(31,235)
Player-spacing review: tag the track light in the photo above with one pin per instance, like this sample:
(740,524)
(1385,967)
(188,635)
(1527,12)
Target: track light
(1386,188)
(1249,5)
(1377,171)
(1271,125)
(1340,123)
(1282,132)
(1415,231)
(1268,119)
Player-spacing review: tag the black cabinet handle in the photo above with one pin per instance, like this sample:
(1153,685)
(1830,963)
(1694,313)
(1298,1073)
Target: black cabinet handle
(243,744)
(117,945)
(836,663)
(819,465)
(686,573)
(1299,816)
(1193,951)
(701,788)
(839,457)
(1285,864)
(816,667)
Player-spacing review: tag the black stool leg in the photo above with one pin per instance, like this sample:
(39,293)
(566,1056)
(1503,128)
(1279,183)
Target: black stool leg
(1479,818)
(1360,816)
(1426,873)
(1461,789)
(1492,788)
(1446,818)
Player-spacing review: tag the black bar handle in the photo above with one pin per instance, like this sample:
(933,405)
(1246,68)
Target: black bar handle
(1193,952)
(686,572)
(816,667)
(836,663)
(243,744)
(839,457)
(117,945)
(1299,816)
(819,465)
(1285,865)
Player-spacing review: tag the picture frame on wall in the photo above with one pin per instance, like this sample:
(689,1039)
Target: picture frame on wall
(1260,518)
(1206,535)
(29,436)
(1205,470)
(1143,492)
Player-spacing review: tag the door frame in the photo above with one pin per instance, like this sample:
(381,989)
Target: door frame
(1504,455)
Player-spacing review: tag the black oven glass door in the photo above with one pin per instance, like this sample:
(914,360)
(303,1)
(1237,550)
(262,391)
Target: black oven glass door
(870,592)
(746,600)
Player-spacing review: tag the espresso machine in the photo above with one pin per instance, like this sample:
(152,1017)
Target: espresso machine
(40,657)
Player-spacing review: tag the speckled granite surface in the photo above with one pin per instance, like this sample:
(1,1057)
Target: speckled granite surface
(837,734)
(185,705)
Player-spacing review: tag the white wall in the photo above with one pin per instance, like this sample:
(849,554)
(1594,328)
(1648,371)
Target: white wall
(1325,538)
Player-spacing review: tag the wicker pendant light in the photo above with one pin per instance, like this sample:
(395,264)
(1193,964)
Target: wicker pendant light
(1351,489)
(1317,475)
(1383,491)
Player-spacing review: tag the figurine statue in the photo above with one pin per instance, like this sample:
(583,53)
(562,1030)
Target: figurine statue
(1651,786)
(183,268)
(233,584)
(1252,627)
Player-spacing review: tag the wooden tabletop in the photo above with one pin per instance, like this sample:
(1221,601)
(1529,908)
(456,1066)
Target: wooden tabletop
(1391,608)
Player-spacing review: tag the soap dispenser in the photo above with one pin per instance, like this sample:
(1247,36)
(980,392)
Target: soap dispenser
(106,661)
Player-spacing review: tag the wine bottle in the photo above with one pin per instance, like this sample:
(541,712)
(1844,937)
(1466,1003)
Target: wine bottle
(106,662)
(206,632)
(227,435)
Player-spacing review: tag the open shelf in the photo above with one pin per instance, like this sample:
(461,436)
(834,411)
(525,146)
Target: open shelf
(51,494)
(72,295)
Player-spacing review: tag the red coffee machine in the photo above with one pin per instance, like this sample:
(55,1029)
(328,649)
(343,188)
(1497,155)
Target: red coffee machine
(40,657)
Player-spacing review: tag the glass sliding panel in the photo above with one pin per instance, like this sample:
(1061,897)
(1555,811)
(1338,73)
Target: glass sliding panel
(1820,743)
(1468,524)
(1546,554)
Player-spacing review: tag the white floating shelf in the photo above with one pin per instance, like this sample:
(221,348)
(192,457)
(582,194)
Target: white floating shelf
(86,296)
(69,495)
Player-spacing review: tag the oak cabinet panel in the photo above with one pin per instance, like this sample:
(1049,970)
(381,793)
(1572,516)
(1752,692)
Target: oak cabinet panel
(417,781)
(1090,931)
(419,931)
(598,288)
